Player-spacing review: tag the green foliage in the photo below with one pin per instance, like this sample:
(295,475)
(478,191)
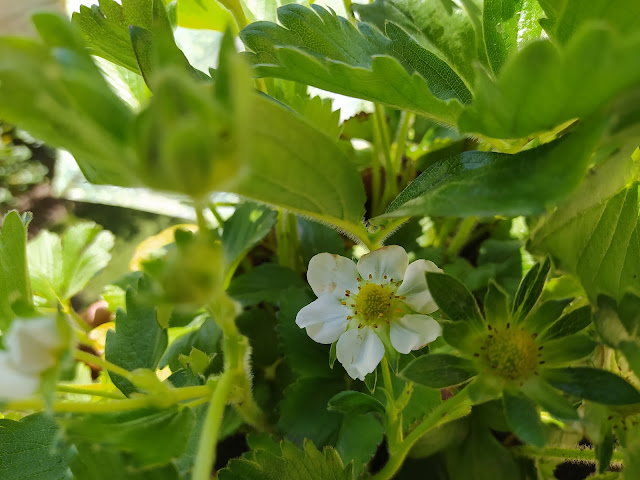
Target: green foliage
(489,183)
(368,64)
(289,464)
(61,266)
(355,403)
(439,370)
(30,448)
(138,341)
(14,279)
(593,384)
(523,418)
(263,283)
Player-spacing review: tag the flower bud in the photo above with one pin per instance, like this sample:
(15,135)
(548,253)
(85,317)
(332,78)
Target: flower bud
(192,272)
(185,139)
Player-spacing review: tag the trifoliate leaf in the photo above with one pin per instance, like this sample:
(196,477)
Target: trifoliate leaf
(62,266)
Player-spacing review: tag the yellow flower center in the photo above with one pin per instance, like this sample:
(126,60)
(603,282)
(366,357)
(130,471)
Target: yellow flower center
(374,302)
(512,353)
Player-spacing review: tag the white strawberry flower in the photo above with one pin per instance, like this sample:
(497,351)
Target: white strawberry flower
(32,345)
(380,301)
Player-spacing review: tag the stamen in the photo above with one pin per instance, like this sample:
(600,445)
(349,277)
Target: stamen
(370,276)
(385,277)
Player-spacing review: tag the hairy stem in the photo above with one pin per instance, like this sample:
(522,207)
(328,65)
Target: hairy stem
(573,454)
(206,455)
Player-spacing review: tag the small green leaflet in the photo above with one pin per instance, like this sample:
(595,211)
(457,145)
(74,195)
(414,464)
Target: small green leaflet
(14,279)
(61,266)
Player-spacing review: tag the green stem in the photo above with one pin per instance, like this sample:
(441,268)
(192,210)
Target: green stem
(574,454)
(349,9)
(394,415)
(384,147)
(235,7)
(105,364)
(206,455)
(216,214)
(386,230)
(161,400)
(461,236)
(93,390)
(406,120)
(203,226)
(456,407)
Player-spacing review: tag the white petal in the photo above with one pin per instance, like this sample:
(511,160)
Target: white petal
(31,343)
(391,261)
(413,331)
(332,274)
(325,319)
(359,350)
(14,384)
(414,287)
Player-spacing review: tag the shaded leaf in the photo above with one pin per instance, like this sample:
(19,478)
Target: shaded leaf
(355,403)
(358,440)
(264,283)
(593,384)
(439,370)
(523,419)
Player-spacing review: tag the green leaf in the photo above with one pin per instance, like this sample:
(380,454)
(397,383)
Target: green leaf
(439,370)
(151,437)
(454,300)
(30,449)
(604,452)
(138,341)
(110,463)
(549,398)
(291,464)
(62,266)
(14,279)
(490,183)
(543,86)
(305,357)
(567,17)
(593,384)
(569,324)
(351,402)
(303,410)
(204,15)
(529,290)
(105,28)
(76,109)
(595,235)
(320,49)
(523,419)
(264,283)
(567,349)
(508,24)
(249,224)
(358,440)
(443,28)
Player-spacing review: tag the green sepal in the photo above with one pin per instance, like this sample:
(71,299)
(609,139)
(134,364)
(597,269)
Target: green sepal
(600,386)
(567,349)
(355,403)
(568,324)
(523,418)
(439,370)
(454,299)
(371,380)
(540,391)
(460,335)
(485,388)
(333,354)
(604,452)
(544,314)
(496,306)
(529,290)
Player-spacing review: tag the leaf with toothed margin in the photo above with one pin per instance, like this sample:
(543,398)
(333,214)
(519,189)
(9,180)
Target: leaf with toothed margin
(440,26)
(319,48)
